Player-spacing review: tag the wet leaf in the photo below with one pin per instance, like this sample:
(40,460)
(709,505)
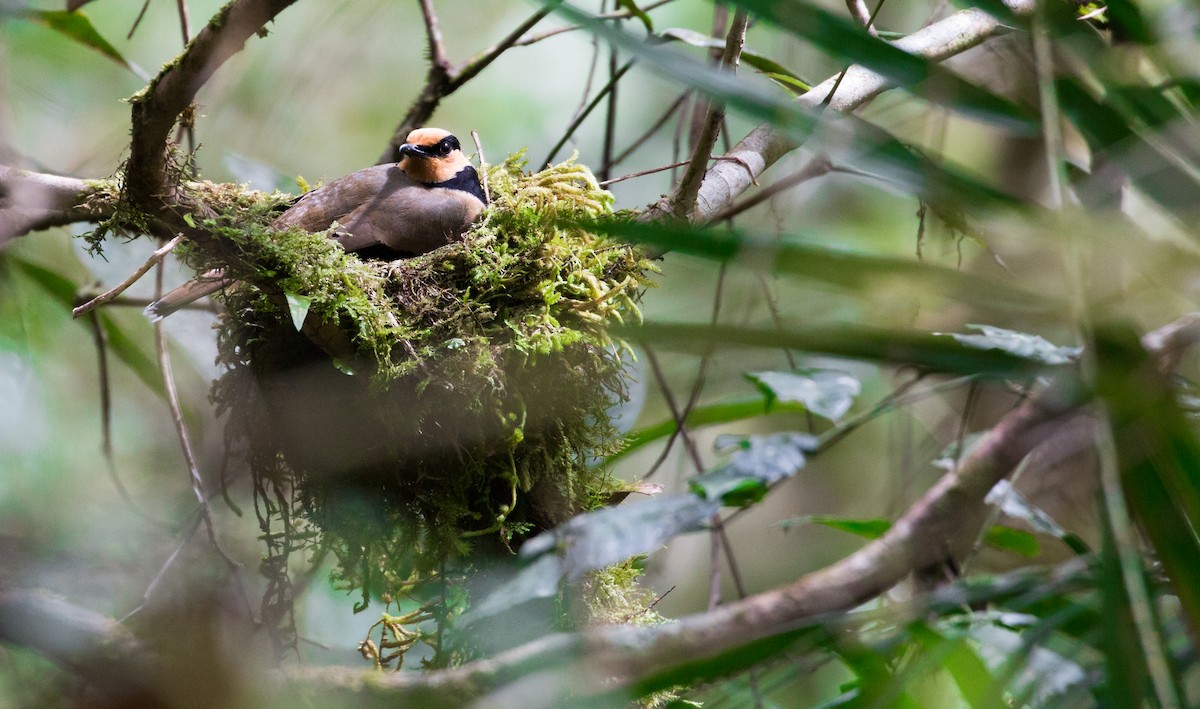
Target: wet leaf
(826,392)
(298,307)
(1021,344)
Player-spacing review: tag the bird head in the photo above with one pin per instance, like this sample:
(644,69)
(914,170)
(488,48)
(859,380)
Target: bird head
(432,155)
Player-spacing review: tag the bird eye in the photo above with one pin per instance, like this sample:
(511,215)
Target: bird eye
(444,148)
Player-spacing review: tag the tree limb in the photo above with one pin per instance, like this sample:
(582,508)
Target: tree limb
(764,145)
(32,201)
(158,106)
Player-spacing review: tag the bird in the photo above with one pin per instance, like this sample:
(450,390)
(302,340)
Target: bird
(383,212)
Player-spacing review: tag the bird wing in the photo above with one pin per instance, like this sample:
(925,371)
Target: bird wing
(381,209)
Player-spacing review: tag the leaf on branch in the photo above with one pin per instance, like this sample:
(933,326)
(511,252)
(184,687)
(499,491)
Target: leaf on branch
(298,308)
(828,393)
(769,67)
(76,26)
(757,463)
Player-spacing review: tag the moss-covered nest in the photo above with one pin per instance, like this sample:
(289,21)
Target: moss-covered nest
(457,399)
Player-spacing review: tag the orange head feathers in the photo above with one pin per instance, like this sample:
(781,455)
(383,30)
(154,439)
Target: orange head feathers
(432,155)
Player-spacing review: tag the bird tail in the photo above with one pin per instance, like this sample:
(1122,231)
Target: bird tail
(186,294)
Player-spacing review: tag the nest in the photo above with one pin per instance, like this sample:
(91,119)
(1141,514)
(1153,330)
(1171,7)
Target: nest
(471,404)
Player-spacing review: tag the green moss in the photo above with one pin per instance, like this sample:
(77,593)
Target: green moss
(483,373)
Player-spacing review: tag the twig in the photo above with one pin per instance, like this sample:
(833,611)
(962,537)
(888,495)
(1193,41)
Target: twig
(654,128)
(610,118)
(860,13)
(444,78)
(818,166)
(184,23)
(527,40)
(433,34)
(106,444)
(185,443)
(138,20)
(661,168)
(583,116)
(483,175)
(676,413)
(683,201)
(120,288)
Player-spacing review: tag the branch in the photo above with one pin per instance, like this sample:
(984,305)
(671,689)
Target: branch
(158,106)
(32,201)
(444,79)
(763,146)
(684,199)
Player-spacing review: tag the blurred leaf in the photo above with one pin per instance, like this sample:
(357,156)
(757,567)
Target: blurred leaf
(861,142)
(1017,541)
(849,42)
(757,463)
(61,288)
(298,308)
(593,541)
(968,671)
(76,26)
(142,361)
(865,528)
(855,272)
(765,64)
(1021,344)
(826,392)
(939,354)
(73,5)
(1013,504)
(1159,457)
(1111,134)
(701,416)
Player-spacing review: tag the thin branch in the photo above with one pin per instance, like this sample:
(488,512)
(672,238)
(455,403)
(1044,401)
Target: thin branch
(483,175)
(610,118)
(683,202)
(156,108)
(818,166)
(433,34)
(862,15)
(134,277)
(444,78)
(654,128)
(764,145)
(527,40)
(189,456)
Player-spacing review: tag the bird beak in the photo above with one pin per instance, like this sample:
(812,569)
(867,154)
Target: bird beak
(416,151)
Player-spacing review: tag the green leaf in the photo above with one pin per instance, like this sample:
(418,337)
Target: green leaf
(862,143)
(1017,541)
(1013,504)
(846,270)
(1159,458)
(1156,168)
(757,463)
(298,307)
(825,392)
(701,416)
(592,541)
(865,528)
(763,63)
(849,42)
(1021,344)
(76,26)
(939,354)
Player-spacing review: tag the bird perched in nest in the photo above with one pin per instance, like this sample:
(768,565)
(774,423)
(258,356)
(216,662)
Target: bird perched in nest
(383,212)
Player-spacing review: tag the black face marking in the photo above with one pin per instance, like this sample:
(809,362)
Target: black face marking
(466,180)
(446,145)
